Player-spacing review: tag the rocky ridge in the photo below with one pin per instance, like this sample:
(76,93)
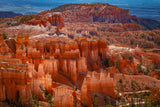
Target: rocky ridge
(102,12)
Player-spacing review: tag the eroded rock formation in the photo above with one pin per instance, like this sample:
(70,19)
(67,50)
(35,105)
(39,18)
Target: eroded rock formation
(58,65)
(54,19)
(33,66)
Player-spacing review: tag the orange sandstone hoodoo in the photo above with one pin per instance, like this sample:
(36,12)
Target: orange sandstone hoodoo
(51,64)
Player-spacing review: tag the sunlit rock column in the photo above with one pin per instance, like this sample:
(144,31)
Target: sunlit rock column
(72,70)
(81,65)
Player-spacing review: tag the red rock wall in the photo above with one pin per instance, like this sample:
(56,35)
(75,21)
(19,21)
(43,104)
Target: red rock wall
(14,77)
(131,27)
(4,49)
(14,82)
(99,82)
(54,20)
(63,96)
(2,93)
(23,84)
(60,61)
(82,65)
(96,12)
(1,38)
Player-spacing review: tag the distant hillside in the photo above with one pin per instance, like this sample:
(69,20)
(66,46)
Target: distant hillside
(149,24)
(89,12)
(102,12)
(7,14)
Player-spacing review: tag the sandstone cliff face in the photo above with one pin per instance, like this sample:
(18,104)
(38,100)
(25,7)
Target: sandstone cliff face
(15,85)
(4,49)
(1,38)
(82,65)
(63,96)
(52,19)
(40,64)
(102,12)
(99,82)
(2,91)
(96,12)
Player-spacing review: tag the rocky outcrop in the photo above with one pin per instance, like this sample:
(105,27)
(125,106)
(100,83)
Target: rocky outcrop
(57,64)
(40,65)
(99,82)
(4,49)
(53,19)
(63,96)
(103,12)
(2,91)
(131,27)
(96,12)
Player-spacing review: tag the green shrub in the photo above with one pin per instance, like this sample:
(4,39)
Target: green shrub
(153,67)
(138,67)
(14,36)
(116,64)
(4,36)
(22,47)
(94,100)
(4,66)
(147,68)
(120,80)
